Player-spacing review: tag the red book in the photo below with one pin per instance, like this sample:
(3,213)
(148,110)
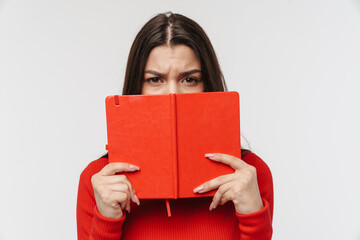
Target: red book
(168,135)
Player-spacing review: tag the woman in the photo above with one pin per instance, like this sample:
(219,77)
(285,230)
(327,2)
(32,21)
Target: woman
(172,54)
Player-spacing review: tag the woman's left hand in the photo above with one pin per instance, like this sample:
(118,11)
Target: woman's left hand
(240,187)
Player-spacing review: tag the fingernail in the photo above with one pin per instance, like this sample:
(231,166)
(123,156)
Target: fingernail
(209,155)
(136,199)
(134,167)
(198,189)
(211,206)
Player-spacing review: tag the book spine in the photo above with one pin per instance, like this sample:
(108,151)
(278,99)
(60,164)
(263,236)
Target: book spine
(174,144)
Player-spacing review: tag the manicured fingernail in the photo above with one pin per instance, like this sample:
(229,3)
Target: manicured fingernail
(198,189)
(212,206)
(136,199)
(210,155)
(134,167)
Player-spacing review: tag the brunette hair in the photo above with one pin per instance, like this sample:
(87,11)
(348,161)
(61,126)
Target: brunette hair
(172,29)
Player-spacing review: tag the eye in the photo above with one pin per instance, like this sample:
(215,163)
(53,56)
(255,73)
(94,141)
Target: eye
(153,80)
(191,80)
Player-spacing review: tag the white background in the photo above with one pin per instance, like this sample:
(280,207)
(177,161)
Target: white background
(296,65)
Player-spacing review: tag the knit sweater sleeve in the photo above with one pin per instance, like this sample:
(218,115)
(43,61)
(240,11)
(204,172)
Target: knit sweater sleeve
(90,223)
(258,225)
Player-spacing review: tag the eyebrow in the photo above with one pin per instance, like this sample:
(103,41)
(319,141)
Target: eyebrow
(182,74)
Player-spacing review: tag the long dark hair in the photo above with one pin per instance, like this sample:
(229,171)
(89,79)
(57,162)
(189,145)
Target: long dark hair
(172,29)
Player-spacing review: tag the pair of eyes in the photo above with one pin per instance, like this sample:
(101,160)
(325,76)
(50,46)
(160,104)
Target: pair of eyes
(187,80)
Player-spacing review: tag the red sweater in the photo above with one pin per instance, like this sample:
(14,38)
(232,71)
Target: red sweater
(191,218)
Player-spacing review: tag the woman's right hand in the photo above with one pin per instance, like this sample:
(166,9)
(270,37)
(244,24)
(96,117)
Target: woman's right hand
(113,192)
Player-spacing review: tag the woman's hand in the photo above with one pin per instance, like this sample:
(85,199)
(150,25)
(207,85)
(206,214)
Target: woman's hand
(113,192)
(240,187)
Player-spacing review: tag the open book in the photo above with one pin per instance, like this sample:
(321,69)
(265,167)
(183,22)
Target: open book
(168,135)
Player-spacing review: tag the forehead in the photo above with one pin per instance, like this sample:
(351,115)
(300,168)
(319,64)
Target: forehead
(178,56)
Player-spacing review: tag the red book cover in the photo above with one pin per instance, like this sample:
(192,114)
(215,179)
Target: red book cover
(168,135)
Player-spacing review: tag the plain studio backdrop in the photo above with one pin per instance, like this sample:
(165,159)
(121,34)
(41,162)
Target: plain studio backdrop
(296,65)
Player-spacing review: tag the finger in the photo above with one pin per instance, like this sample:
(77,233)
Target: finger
(130,187)
(129,195)
(120,183)
(120,188)
(114,179)
(113,168)
(119,198)
(234,162)
(214,183)
(226,197)
(135,199)
(132,192)
(122,179)
(128,208)
(219,193)
(125,188)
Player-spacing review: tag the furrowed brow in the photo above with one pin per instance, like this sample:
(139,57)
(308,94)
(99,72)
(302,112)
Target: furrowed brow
(154,73)
(183,74)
